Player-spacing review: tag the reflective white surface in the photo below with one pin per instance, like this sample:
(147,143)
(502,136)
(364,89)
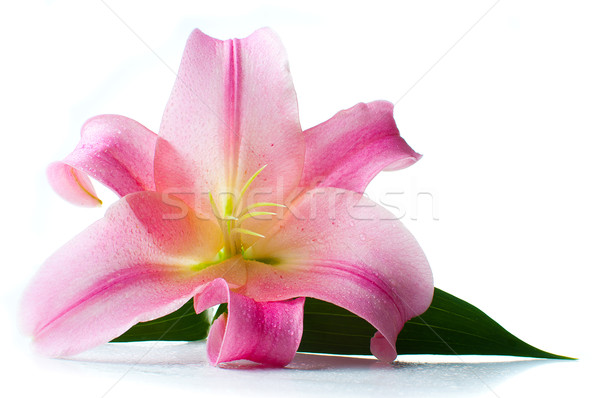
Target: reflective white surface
(181,370)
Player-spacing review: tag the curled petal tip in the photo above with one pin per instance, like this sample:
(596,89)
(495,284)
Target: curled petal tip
(116,151)
(72,185)
(263,332)
(382,349)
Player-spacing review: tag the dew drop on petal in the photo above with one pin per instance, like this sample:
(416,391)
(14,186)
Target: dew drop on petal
(362,237)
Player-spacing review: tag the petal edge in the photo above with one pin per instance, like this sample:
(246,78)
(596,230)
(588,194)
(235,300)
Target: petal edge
(349,149)
(132,264)
(113,149)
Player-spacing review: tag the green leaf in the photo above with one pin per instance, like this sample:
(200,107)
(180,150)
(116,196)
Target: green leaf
(181,325)
(450,326)
(222,309)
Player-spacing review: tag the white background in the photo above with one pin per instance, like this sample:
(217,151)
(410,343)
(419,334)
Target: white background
(505,111)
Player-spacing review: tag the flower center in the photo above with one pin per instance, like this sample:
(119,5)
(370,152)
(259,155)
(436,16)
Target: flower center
(233,217)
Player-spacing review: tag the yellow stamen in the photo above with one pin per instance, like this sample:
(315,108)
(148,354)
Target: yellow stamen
(214,206)
(254,214)
(246,232)
(246,186)
(230,220)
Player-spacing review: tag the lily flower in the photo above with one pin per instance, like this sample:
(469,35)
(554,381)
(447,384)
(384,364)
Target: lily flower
(231,203)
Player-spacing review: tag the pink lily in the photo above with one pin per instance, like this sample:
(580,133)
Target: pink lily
(231,203)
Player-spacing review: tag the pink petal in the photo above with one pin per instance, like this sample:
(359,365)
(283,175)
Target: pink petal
(349,149)
(137,263)
(382,348)
(338,246)
(233,110)
(263,332)
(72,185)
(115,150)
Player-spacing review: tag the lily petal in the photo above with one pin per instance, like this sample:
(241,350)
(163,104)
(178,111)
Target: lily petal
(72,185)
(382,348)
(265,332)
(232,110)
(338,246)
(115,150)
(141,261)
(349,149)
